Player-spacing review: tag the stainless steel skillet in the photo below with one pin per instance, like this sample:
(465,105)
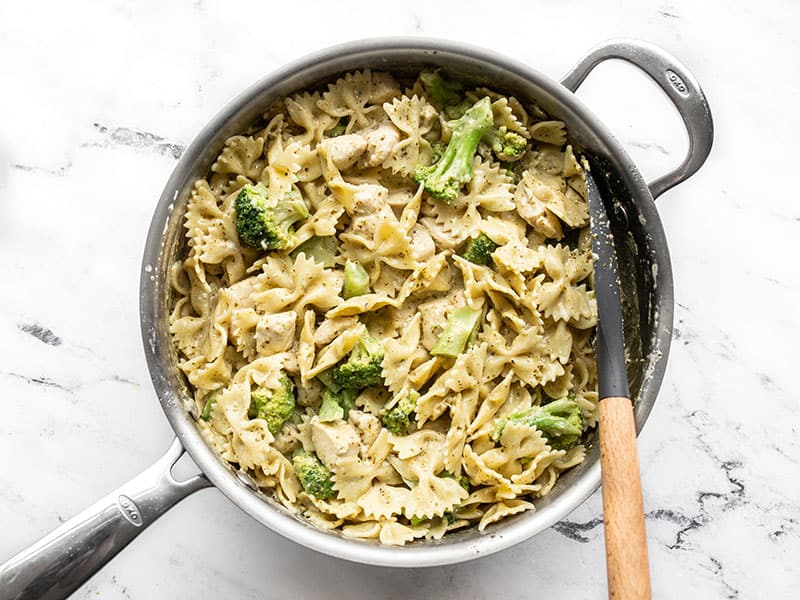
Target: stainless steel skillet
(62,561)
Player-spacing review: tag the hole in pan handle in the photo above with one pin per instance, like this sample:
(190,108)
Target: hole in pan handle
(62,561)
(677,83)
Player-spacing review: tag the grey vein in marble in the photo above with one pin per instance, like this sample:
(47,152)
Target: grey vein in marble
(59,171)
(574,531)
(138,139)
(668,12)
(40,332)
(38,380)
(47,382)
(731,499)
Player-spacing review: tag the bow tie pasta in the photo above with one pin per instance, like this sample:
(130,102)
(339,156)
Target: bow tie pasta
(384,309)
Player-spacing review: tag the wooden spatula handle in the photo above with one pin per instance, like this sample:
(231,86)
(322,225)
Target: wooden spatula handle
(623,509)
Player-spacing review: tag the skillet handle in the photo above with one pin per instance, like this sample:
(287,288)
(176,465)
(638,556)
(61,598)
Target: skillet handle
(676,81)
(62,561)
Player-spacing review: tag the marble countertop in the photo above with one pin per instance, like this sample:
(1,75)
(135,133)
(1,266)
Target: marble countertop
(101,98)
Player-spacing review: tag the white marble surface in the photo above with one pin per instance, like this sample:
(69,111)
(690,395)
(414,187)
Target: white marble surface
(99,98)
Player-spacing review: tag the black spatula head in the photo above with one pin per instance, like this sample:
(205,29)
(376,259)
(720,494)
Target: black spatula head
(610,351)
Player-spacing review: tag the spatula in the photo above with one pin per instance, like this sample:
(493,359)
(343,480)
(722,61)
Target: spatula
(623,508)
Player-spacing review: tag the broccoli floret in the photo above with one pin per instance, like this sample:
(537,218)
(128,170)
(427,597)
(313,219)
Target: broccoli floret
(456,111)
(267,223)
(321,249)
(356,280)
(398,418)
(445,178)
(440,90)
(347,400)
(445,94)
(315,477)
(339,128)
(560,421)
(363,366)
(507,145)
(330,410)
(479,250)
(437,150)
(274,406)
(208,407)
(461,329)
(336,406)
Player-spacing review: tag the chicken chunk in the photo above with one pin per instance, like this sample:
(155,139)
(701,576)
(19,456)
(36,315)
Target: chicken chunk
(380,143)
(434,317)
(343,150)
(334,441)
(367,425)
(370,200)
(369,207)
(275,332)
(423,244)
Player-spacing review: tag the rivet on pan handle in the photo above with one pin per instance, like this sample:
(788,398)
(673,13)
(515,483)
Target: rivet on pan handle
(678,84)
(62,561)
